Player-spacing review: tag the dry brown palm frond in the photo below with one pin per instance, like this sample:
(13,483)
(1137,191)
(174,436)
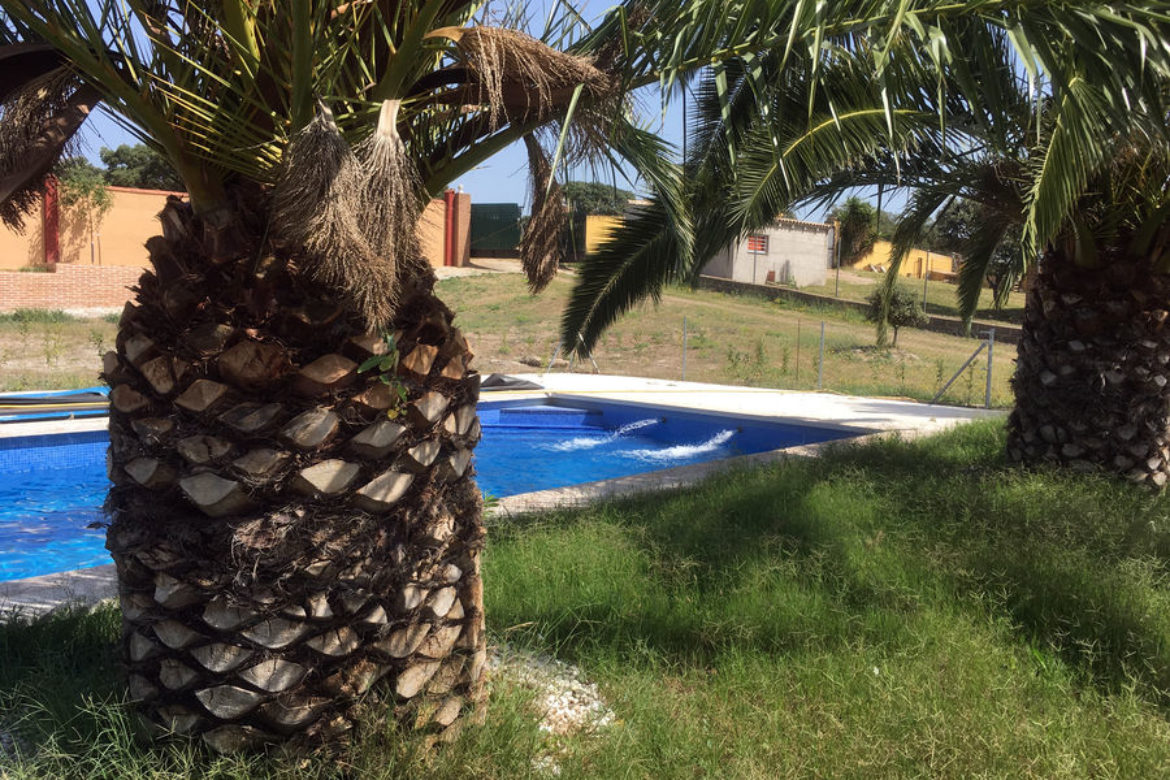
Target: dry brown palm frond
(390,202)
(614,49)
(315,209)
(587,138)
(518,77)
(21,63)
(540,248)
(20,204)
(37,121)
(390,209)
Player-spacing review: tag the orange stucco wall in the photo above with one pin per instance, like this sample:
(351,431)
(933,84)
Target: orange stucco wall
(119,238)
(116,240)
(434,222)
(18,250)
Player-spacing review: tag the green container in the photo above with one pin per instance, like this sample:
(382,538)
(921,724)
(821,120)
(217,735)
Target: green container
(495,229)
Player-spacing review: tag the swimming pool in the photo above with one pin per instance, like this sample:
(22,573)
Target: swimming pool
(52,487)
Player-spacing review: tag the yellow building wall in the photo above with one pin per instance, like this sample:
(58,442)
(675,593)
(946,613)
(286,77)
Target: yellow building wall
(914,264)
(598,228)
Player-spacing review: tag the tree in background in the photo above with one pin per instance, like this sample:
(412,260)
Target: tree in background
(858,221)
(139,166)
(83,193)
(591,197)
(83,186)
(954,231)
(901,310)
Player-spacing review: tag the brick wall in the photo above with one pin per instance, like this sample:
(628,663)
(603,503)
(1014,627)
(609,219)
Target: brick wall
(69,287)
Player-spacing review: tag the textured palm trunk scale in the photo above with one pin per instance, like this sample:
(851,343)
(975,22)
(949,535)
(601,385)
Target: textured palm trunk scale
(1092,382)
(296,541)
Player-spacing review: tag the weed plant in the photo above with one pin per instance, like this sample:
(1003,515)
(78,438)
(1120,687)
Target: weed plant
(38,316)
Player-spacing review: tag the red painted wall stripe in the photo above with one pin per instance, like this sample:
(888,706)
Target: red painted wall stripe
(449,227)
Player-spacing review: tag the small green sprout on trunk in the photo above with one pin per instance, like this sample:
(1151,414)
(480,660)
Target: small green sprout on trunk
(386,365)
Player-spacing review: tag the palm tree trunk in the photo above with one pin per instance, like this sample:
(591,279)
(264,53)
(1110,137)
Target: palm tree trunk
(1092,376)
(292,537)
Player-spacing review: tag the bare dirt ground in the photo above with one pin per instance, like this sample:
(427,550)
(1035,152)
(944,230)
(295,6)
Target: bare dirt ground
(41,355)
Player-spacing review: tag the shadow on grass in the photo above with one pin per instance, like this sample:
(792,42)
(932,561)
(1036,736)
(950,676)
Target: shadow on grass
(67,655)
(851,549)
(64,713)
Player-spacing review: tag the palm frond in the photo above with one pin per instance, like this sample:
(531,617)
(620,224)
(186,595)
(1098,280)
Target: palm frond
(637,261)
(39,116)
(987,234)
(540,247)
(653,247)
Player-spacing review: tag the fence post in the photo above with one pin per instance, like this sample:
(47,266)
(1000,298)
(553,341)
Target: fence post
(990,355)
(821,360)
(925,279)
(684,349)
(958,373)
(556,354)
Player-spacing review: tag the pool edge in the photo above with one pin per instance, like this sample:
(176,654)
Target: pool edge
(36,596)
(84,587)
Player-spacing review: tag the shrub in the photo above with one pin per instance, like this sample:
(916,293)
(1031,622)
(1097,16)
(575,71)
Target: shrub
(903,309)
(36,315)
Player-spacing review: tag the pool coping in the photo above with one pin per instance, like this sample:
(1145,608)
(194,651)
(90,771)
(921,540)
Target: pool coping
(36,596)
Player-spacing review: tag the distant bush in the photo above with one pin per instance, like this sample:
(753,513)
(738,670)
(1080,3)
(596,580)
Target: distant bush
(37,316)
(34,269)
(903,310)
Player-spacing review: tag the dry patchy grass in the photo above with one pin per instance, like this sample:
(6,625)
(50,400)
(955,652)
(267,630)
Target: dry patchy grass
(730,340)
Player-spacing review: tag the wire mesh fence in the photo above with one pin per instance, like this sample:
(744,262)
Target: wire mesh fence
(810,354)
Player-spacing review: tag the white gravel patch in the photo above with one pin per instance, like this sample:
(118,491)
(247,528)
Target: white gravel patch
(565,702)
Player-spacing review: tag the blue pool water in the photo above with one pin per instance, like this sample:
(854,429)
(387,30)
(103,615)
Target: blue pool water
(52,487)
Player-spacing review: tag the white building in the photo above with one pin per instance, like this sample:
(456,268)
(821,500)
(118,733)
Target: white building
(786,252)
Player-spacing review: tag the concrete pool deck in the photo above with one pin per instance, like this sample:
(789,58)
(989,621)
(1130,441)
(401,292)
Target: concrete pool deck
(869,417)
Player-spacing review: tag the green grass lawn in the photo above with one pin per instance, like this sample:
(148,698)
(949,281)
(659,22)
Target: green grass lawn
(892,609)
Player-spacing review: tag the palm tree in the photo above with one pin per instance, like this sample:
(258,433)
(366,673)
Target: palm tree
(293,515)
(856,222)
(1062,133)
(1091,376)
